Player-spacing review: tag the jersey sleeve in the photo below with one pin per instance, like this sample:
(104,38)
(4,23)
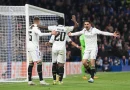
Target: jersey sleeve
(77,33)
(51,28)
(37,31)
(69,28)
(68,38)
(52,39)
(103,33)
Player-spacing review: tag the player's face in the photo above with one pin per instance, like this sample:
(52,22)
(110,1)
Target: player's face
(87,25)
(37,22)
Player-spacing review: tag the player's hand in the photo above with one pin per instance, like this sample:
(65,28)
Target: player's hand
(69,34)
(116,34)
(79,47)
(47,44)
(54,32)
(73,18)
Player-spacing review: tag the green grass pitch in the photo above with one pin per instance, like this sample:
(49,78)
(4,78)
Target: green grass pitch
(106,81)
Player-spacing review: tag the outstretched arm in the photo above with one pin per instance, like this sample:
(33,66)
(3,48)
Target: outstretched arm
(45,34)
(51,41)
(73,43)
(115,34)
(75,33)
(43,27)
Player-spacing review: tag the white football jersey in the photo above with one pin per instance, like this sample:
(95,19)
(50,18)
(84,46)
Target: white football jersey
(59,41)
(91,37)
(33,35)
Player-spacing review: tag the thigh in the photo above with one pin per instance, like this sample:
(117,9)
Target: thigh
(61,56)
(54,56)
(35,55)
(30,57)
(86,55)
(93,54)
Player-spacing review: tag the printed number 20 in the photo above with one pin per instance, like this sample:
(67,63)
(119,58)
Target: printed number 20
(60,36)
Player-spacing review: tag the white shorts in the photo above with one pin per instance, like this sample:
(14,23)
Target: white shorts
(58,56)
(34,55)
(90,54)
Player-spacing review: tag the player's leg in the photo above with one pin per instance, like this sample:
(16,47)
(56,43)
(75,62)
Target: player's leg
(88,69)
(39,70)
(54,65)
(61,72)
(93,55)
(83,72)
(85,60)
(30,67)
(82,67)
(36,56)
(61,60)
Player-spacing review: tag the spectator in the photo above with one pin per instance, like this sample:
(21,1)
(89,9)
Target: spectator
(106,66)
(99,63)
(124,61)
(114,15)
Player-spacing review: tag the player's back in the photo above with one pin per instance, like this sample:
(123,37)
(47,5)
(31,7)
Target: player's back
(33,43)
(60,39)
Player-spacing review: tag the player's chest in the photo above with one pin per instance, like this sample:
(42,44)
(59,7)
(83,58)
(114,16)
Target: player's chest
(89,34)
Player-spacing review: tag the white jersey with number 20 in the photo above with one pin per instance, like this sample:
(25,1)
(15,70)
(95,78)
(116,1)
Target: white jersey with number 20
(61,38)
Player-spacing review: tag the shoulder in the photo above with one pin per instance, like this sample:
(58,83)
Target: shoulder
(83,29)
(52,26)
(95,29)
(67,27)
(33,26)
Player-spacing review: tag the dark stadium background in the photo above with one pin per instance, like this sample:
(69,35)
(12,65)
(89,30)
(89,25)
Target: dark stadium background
(107,15)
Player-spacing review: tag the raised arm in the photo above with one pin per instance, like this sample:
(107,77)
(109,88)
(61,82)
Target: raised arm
(75,22)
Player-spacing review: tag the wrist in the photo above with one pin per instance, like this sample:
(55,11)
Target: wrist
(77,46)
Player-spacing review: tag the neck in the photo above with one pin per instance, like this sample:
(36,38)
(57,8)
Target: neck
(88,29)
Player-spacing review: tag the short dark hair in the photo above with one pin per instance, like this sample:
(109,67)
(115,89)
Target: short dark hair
(60,21)
(89,22)
(36,18)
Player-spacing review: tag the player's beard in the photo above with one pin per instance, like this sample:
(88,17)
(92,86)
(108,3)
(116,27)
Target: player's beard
(87,28)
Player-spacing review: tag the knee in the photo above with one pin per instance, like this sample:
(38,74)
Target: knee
(39,63)
(54,65)
(92,62)
(84,62)
(31,63)
(60,64)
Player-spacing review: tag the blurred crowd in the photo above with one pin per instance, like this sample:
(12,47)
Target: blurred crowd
(106,15)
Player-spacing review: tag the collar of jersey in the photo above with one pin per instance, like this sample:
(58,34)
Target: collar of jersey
(89,29)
